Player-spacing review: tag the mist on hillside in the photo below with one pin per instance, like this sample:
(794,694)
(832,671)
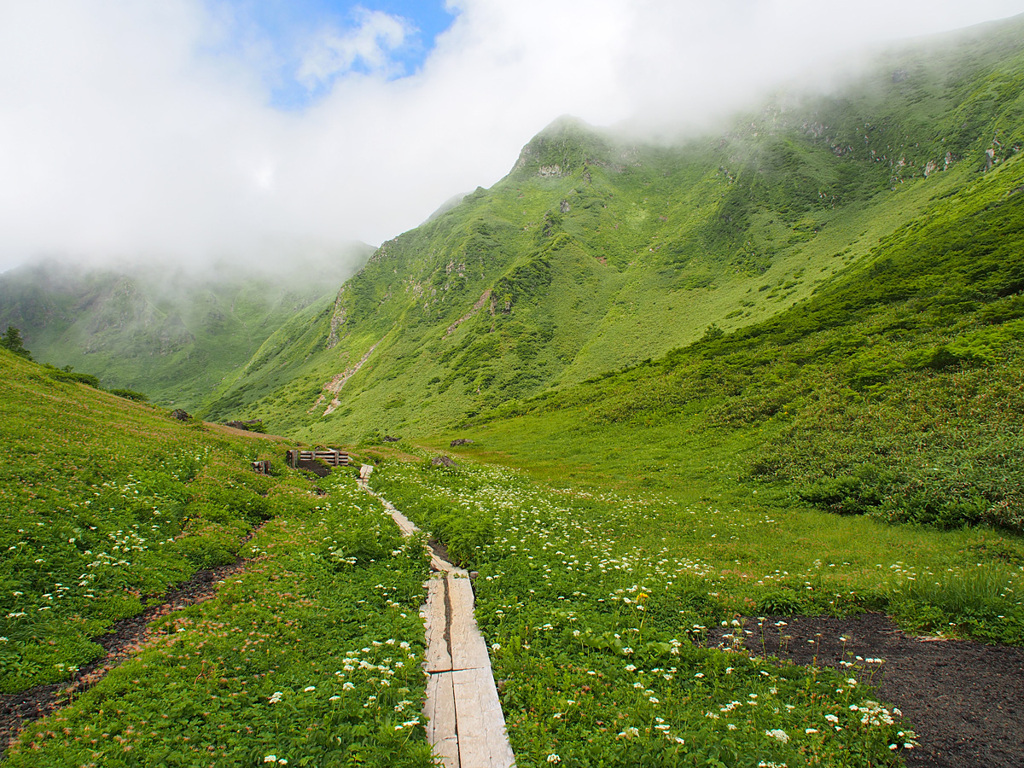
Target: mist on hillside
(129,136)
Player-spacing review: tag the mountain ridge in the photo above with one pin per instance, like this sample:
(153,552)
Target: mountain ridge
(596,252)
(599,251)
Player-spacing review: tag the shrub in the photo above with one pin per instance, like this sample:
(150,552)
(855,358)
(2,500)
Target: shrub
(130,394)
(68,375)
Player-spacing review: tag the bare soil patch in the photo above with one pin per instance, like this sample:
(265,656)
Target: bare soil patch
(962,698)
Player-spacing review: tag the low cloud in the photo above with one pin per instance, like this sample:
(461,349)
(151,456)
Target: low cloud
(127,131)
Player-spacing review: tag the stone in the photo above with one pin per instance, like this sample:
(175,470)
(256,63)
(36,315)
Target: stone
(181,415)
(443,461)
(461,441)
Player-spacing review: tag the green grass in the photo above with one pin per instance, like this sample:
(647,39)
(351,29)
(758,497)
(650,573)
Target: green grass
(585,593)
(311,653)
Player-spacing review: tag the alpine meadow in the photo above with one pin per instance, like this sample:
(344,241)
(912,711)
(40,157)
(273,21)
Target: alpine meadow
(727,431)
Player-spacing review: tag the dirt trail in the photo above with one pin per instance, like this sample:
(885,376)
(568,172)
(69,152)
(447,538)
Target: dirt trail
(963,699)
(127,637)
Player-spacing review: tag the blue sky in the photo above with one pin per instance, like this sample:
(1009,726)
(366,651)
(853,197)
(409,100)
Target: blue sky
(291,27)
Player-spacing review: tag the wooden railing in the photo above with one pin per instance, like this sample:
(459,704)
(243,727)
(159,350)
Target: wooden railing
(334,458)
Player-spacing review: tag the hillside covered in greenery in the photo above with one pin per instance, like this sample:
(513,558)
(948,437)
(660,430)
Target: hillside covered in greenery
(171,334)
(697,394)
(896,391)
(598,252)
(114,515)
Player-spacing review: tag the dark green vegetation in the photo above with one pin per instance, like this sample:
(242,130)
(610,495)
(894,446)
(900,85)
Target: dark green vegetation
(156,329)
(12,341)
(311,648)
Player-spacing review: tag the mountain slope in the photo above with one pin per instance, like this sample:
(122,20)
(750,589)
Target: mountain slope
(896,391)
(597,252)
(171,335)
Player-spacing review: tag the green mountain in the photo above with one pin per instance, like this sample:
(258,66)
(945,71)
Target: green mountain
(692,349)
(598,252)
(896,390)
(169,334)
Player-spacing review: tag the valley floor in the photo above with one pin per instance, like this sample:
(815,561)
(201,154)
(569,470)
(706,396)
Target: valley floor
(617,622)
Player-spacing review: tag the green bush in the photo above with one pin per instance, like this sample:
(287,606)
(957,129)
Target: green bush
(129,394)
(72,377)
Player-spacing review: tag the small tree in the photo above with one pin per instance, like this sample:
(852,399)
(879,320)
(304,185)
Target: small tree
(713,332)
(12,340)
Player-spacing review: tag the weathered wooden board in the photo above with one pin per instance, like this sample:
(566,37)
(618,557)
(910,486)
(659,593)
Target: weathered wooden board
(465,724)
(468,649)
(483,742)
(441,722)
(436,621)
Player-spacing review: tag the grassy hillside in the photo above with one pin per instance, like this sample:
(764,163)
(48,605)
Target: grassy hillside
(108,505)
(597,253)
(895,391)
(168,334)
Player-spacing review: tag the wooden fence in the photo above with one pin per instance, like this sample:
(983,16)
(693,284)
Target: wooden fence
(334,458)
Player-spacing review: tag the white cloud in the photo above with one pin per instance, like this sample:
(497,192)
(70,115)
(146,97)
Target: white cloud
(122,132)
(369,44)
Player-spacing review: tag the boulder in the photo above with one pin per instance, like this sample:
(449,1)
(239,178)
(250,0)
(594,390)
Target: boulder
(461,441)
(390,439)
(442,461)
(180,415)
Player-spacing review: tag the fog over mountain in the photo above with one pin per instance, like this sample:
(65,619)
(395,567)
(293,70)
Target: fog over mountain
(149,130)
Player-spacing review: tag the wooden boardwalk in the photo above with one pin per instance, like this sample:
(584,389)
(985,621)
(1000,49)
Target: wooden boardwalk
(465,724)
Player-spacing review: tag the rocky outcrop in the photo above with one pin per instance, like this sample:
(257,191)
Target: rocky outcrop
(338,317)
(484,298)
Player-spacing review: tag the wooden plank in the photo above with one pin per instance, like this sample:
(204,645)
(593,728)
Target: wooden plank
(469,651)
(465,724)
(441,723)
(404,524)
(436,623)
(483,742)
